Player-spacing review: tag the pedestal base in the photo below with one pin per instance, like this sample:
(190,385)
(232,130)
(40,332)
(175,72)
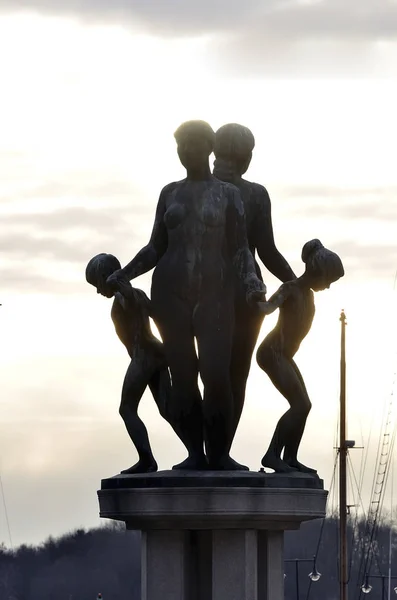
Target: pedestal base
(212,565)
(212,536)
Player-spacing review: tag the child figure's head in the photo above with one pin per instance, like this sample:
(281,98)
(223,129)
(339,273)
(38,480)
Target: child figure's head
(98,270)
(323,267)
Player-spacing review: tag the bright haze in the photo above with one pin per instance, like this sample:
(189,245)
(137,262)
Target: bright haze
(92,92)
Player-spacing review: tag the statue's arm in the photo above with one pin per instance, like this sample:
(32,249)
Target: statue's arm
(242,258)
(264,240)
(276,300)
(148,257)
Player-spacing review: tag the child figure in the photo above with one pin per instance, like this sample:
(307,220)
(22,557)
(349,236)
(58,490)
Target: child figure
(130,315)
(275,355)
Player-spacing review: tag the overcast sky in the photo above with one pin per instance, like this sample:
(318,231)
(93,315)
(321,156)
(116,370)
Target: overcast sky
(92,92)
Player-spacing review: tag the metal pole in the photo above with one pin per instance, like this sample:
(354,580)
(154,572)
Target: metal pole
(391,528)
(343,466)
(297,579)
(383,588)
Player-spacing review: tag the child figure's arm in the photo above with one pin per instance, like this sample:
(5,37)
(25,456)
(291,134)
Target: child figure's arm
(276,300)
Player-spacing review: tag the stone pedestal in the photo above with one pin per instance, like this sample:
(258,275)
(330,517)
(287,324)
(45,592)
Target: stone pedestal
(212,535)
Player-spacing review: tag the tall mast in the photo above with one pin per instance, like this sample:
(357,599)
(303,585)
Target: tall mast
(343,577)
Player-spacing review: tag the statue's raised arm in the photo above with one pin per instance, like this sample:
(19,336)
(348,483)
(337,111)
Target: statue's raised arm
(148,257)
(263,237)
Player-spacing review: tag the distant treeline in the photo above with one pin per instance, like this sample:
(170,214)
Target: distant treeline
(79,565)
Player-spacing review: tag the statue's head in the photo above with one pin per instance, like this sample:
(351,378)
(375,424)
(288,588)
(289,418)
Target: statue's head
(234,144)
(322,265)
(195,140)
(98,270)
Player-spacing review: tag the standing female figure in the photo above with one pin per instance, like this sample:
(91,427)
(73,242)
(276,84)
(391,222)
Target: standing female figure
(233,151)
(295,300)
(199,248)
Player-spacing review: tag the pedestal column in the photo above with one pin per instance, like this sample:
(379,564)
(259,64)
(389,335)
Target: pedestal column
(164,573)
(270,565)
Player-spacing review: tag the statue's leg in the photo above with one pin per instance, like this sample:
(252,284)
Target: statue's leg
(135,382)
(160,386)
(213,325)
(291,448)
(246,330)
(184,408)
(289,430)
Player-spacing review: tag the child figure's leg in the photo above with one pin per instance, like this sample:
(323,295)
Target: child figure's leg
(135,382)
(292,446)
(283,375)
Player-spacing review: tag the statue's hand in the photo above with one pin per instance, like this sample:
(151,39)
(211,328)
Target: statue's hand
(266,308)
(256,296)
(117,281)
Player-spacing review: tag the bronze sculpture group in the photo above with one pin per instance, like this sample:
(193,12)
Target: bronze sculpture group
(207,289)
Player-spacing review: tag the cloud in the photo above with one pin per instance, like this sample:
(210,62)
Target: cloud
(45,250)
(375,203)
(371,261)
(66,234)
(175,18)
(329,19)
(297,19)
(30,280)
(253,38)
(357,223)
(42,252)
(81,186)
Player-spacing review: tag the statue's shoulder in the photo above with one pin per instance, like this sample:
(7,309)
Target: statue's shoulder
(256,195)
(224,186)
(260,192)
(228,189)
(229,186)
(170,187)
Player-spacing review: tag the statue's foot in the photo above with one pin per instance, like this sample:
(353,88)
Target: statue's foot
(226,464)
(142,466)
(300,467)
(192,463)
(277,464)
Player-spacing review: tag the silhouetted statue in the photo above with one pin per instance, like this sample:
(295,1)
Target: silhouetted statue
(199,249)
(233,151)
(295,300)
(130,315)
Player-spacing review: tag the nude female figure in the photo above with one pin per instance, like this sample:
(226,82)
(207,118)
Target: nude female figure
(148,367)
(295,300)
(199,249)
(233,151)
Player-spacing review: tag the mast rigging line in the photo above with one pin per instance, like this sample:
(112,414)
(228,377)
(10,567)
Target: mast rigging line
(331,487)
(383,462)
(6,512)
